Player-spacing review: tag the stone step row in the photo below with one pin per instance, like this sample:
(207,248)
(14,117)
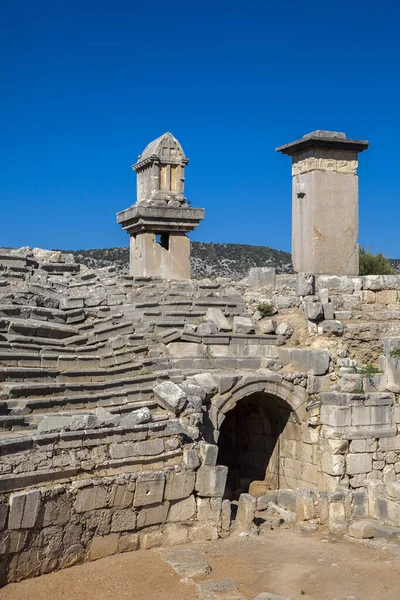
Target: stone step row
(30,422)
(24,311)
(89,357)
(33,374)
(36,328)
(21,396)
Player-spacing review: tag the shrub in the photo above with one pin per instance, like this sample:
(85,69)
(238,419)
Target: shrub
(374,264)
(266,309)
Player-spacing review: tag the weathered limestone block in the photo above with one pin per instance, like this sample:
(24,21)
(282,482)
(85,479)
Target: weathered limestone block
(245,514)
(262,277)
(267,326)
(123,520)
(149,488)
(358,463)
(24,509)
(333,464)
(207,328)
(209,510)
(182,510)
(102,546)
(305,284)
(136,417)
(314,361)
(90,498)
(243,325)
(128,542)
(153,515)
(362,529)
(350,382)
(313,310)
(191,459)
(208,454)
(210,481)
(180,484)
(206,381)
(393,490)
(332,327)
(215,315)
(187,563)
(150,447)
(170,396)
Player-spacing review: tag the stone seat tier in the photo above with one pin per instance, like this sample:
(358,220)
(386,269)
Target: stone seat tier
(127,396)
(25,311)
(30,422)
(65,358)
(39,374)
(38,328)
(24,391)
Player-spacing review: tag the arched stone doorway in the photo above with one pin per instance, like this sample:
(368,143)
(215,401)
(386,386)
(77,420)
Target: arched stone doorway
(250,444)
(260,427)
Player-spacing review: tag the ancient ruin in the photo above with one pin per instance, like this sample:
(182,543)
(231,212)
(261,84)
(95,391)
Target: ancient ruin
(139,411)
(161,217)
(325,203)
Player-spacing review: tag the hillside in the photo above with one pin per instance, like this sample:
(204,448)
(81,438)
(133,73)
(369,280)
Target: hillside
(207,259)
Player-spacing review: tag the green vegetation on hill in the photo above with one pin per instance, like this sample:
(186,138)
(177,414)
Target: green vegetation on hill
(374,264)
(231,260)
(207,259)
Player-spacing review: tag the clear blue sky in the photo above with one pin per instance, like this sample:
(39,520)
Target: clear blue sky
(86,85)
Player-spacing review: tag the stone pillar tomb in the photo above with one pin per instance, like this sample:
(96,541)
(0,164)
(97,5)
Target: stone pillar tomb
(158,222)
(325,202)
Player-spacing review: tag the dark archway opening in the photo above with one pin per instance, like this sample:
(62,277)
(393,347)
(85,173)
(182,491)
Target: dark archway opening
(249,443)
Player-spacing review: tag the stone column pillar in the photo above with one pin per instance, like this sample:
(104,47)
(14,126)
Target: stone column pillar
(325,203)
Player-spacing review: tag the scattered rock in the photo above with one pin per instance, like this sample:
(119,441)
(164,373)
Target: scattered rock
(187,563)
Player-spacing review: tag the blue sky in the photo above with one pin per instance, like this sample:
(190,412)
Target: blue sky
(86,85)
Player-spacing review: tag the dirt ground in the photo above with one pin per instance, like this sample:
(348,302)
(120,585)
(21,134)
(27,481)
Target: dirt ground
(299,565)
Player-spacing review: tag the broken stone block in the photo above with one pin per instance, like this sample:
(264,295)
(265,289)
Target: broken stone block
(284,329)
(215,315)
(305,284)
(54,423)
(170,396)
(210,481)
(267,326)
(313,311)
(362,529)
(136,417)
(243,325)
(207,329)
(105,418)
(245,514)
(187,563)
(332,327)
(206,381)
